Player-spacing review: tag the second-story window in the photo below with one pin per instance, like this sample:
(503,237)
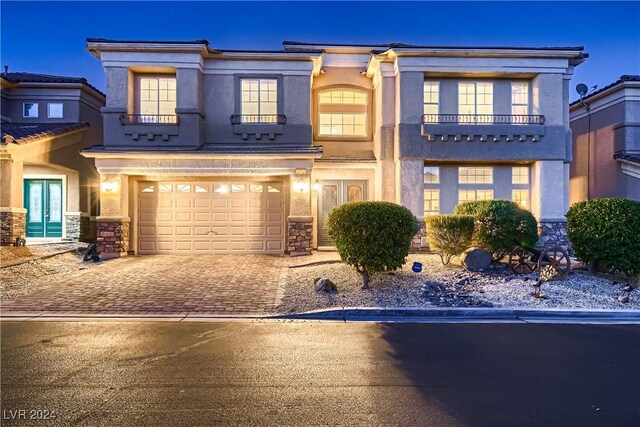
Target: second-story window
(431,96)
(519,98)
(343,113)
(157,99)
(30,110)
(259,101)
(475,102)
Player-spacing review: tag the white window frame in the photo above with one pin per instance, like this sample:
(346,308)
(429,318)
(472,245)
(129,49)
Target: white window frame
(431,98)
(263,91)
(475,192)
(35,105)
(527,200)
(518,178)
(517,104)
(434,172)
(475,107)
(474,173)
(154,117)
(49,104)
(339,108)
(432,200)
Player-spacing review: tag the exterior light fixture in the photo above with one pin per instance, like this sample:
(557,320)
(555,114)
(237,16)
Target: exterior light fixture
(316,185)
(109,186)
(301,186)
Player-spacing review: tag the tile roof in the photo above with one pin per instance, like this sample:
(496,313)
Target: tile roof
(630,156)
(24,77)
(25,132)
(623,78)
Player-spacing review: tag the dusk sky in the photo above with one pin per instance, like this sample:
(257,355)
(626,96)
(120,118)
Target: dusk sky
(49,37)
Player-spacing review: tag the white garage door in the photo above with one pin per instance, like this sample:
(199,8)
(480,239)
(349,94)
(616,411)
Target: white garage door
(207,217)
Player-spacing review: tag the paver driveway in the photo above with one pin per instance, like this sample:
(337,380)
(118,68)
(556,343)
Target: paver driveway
(165,284)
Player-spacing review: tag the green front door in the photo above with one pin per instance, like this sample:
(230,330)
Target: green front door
(43,200)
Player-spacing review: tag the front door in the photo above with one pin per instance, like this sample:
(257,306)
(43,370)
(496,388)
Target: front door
(333,194)
(43,200)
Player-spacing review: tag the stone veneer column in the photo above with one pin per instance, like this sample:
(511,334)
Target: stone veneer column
(113,237)
(300,220)
(299,232)
(73,225)
(12,225)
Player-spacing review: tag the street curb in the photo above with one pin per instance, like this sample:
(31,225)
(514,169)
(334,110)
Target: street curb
(377,314)
(359,314)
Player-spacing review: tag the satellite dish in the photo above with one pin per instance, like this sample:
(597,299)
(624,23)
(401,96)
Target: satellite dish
(582,89)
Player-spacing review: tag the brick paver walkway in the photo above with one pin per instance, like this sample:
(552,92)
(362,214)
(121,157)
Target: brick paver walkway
(165,284)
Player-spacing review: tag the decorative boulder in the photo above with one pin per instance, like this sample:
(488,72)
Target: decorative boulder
(476,259)
(324,285)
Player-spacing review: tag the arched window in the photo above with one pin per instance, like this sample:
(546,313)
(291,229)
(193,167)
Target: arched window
(343,112)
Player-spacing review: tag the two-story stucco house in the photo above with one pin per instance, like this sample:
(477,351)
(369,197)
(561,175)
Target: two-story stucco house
(606,142)
(49,191)
(212,150)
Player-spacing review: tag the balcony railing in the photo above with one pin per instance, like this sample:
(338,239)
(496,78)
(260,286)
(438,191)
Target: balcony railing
(482,119)
(276,119)
(149,119)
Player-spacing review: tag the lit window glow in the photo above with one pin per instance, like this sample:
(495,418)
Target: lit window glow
(431,202)
(431,96)
(519,175)
(519,98)
(431,175)
(521,197)
(259,103)
(475,99)
(474,195)
(475,175)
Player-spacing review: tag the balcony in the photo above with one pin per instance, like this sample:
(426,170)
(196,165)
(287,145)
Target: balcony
(483,137)
(149,119)
(495,127)
(260,125)
(483,119)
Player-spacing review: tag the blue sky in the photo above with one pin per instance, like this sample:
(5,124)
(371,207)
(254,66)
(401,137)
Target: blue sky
(49,37)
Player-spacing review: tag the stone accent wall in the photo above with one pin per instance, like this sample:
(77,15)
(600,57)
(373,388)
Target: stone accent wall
(554,234)
(13,224)
(299,235)
(73,227)
(113,238)
(417,242)
(85,229)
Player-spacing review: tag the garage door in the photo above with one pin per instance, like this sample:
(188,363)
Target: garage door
(206,217)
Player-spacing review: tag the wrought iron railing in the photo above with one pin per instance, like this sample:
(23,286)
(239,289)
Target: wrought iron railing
(149,119)
(483,119)
(278,119)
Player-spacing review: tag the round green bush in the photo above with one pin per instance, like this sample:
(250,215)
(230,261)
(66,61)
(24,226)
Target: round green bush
(449,235)
(606,234)
(372,236)
(498,223)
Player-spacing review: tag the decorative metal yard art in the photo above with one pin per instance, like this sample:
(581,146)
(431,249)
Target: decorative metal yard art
(525,260)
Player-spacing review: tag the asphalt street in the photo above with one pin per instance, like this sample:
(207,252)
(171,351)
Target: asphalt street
(319,373)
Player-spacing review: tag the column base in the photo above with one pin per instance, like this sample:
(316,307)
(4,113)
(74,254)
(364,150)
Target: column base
(13,225)
(419,242)
(554,233)
(113,237)
(299,235)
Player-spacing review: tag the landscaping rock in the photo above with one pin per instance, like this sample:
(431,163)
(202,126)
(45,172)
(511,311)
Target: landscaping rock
(324,285)
(476,259)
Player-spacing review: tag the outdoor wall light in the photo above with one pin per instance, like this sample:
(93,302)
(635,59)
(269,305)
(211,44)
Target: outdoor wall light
(301,186)
(316,185)
(109,186)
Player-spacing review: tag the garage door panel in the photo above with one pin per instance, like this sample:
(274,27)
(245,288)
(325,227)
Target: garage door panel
(274,231)
(201,216)
(193,218)
(202,203)
(273,216)
(184,216)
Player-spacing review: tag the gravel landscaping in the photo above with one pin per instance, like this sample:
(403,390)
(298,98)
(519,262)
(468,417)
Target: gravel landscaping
(29,276)
(446,286)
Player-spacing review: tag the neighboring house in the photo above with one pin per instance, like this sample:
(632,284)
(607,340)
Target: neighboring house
(606,142)
(49,191)
(210,150)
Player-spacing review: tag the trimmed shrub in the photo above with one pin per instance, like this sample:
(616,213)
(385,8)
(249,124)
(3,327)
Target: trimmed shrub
(606,234)
(449,235)
(498,223)
(372,236)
